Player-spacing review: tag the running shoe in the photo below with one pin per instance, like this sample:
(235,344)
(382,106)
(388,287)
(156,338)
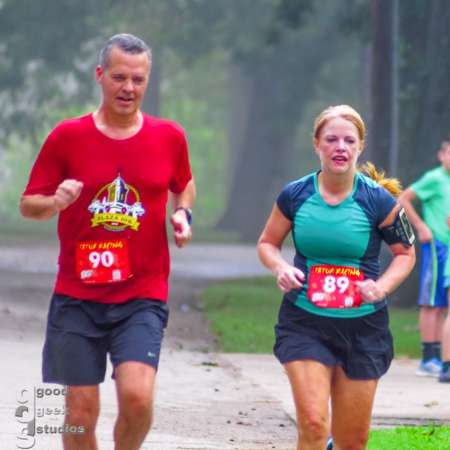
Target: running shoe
(430,368)
(330,444)
(444,377)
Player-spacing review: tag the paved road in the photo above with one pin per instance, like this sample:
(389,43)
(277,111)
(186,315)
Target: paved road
(205,261)
(205,400)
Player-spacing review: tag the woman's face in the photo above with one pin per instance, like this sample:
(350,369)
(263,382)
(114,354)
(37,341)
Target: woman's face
(338,146)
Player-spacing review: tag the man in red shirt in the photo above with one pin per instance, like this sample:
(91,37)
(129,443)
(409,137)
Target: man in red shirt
(107,174)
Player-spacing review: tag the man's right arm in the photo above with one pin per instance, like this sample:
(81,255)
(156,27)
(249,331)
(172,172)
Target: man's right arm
(44,207)
(406,199)
(38,207)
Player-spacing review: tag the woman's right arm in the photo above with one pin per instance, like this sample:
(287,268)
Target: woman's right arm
(269,251)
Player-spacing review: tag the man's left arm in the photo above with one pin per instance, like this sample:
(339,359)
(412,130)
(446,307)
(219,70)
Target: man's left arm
(181,218)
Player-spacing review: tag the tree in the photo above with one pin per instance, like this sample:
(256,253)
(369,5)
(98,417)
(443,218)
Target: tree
(45,46)
(47,59)
(425,114)
(424,44)
(382,80)
(280,71)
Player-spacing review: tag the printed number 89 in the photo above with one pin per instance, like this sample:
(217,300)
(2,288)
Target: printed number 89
(332,283)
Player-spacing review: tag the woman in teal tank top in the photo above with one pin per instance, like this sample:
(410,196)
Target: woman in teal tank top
(332,334)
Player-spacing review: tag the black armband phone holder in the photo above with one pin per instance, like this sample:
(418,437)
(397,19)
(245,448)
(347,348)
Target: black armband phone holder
(400,232)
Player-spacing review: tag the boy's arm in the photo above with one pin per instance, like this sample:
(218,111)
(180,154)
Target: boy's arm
(406,198)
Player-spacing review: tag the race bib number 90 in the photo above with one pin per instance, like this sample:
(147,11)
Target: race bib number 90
(334,286)
(99,262)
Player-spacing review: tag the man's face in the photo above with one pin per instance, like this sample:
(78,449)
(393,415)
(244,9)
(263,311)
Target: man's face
(124,82)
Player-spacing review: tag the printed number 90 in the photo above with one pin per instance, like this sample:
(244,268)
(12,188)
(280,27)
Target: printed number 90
(331,283)
(106,259)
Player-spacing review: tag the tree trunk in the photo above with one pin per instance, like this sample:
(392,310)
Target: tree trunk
(152,100)
(279,85)
(261,164)
(426,81)
(381,81)
(240,87)
(434,116)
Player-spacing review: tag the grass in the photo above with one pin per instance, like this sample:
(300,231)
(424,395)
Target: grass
(410,438)
(242,314)
(405,329)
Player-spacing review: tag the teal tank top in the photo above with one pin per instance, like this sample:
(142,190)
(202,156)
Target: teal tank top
(346,234)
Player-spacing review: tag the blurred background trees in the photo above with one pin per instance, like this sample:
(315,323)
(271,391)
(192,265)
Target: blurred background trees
(245,78)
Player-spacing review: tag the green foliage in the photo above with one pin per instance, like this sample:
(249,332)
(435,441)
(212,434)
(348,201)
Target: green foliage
(292,52)
(292,12)
(337,82)
(48,59)
(424,69)
(356,19)
(15,164)
(197,100)
(45,59)
(411,438)
(243,313)
(32,31)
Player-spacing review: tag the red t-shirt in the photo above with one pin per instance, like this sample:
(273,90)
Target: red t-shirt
(124,196)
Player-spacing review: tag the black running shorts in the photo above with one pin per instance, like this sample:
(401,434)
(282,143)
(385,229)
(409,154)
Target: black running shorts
(362,346)
(81,333)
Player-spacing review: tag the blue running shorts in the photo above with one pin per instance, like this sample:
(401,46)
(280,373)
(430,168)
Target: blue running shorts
(432,280)
(447,272)
(81,333)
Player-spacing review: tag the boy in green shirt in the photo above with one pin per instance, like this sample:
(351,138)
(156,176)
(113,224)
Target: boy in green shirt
(433,192)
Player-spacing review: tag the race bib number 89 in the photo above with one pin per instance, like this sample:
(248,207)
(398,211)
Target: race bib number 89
(334,286)
(101,262)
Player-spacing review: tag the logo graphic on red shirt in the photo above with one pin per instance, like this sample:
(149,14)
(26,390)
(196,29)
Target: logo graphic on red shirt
(116,206)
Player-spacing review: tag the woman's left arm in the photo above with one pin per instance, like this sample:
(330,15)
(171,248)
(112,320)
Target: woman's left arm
(403,260)
(400,267)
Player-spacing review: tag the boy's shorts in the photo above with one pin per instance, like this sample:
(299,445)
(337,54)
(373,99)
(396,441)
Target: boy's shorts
(81,333)
(447,272)
(432,290)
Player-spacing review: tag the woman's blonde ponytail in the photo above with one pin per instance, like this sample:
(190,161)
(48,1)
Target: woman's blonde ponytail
(392,185)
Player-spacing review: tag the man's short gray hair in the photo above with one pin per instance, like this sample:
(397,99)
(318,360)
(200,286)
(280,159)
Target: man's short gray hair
(125,42)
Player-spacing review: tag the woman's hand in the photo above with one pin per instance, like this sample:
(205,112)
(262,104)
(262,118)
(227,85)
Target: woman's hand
(289,277)
(370,291)
(269,250)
